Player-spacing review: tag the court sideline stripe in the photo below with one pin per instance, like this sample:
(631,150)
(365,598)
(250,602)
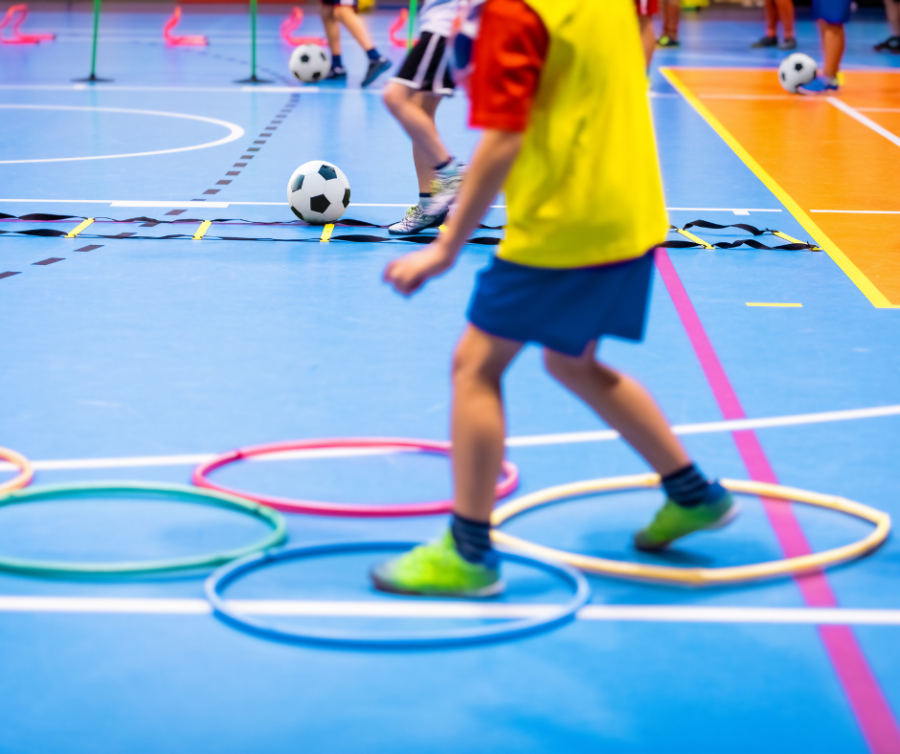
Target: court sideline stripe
(867,700)
(523,441)
(453,610)
(866,286)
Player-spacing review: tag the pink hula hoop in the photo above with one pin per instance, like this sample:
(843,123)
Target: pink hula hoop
(506,486)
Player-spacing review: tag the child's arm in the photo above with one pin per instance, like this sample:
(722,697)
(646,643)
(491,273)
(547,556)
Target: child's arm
(493,159)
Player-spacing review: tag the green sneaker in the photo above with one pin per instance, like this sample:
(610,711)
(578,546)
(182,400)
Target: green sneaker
(438,570)
(673,521)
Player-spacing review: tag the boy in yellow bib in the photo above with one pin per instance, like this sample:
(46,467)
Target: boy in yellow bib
(560,89)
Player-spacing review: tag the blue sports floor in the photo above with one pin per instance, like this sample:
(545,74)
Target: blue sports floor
(138,358)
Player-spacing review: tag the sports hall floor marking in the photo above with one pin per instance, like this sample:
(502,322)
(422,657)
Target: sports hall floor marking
(193,204)
(234,132)
(870,707)
(523,441)
(791,306)
(783,164)
(426,609)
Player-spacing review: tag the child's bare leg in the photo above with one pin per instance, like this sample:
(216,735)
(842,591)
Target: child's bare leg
(355,25)
(332,29)
(415,111)
(892,10)
(833,44)
(424,159)
(648,38)
(784,11)
(671,18)
(624,404)
(478,425)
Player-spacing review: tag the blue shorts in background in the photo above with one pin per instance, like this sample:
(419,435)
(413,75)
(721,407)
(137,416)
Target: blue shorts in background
(563,309)
(832,11)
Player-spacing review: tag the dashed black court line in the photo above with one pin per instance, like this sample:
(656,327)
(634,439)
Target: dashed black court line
(8,274)
(52,260)
(258,143)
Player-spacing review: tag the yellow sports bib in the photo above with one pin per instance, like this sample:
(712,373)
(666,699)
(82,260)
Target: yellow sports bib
(586,188)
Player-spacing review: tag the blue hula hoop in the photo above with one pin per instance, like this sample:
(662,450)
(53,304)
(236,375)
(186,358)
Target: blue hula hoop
(225,575)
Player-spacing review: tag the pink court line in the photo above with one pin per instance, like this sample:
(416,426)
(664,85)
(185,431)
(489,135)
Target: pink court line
(874,715)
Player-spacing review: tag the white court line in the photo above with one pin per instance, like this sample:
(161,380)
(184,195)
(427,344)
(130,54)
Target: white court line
(524,441)
(234,132)
(222,205)
(857,211)
(878,109)
(859,117)
(456,610)
(244,89)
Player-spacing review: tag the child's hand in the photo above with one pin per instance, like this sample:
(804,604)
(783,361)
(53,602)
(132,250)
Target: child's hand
(411,271)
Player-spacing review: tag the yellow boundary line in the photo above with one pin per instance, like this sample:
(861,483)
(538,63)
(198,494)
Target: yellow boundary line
(868,288)
(326,233)
(80,227)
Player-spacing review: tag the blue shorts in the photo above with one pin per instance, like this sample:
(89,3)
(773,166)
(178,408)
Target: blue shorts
(563,309)
(832,11)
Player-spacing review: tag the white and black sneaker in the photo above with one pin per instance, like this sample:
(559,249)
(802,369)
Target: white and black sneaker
(416,220)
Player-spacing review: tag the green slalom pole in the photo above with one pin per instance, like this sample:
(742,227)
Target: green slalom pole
(413,7)
(253,39)
(253,79)
(93,76)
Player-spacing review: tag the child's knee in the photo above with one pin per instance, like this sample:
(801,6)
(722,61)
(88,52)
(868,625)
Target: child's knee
(395,96)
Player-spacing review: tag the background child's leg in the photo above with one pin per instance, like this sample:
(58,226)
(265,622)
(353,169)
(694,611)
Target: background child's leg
(624,404)
(785,13)
(355,25)
(415,112)
(771,13)
(892,9)
(833,45)
(478,425)
(332,30)
(671,18)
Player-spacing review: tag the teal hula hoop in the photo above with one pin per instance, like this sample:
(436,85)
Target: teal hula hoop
(177,491)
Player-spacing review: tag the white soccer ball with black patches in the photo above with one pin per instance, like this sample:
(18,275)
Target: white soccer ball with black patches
(796,69)
(318,192)
(310,63)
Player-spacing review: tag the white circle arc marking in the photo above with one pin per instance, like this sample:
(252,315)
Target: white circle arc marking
(235,131)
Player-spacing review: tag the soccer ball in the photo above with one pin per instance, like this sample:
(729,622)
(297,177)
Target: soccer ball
(310,63)
(318,192)
(795,70)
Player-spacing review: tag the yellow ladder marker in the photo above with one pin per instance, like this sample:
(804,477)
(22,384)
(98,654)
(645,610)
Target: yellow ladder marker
(326,233)
(790,239)
(695,239)
(80,227)
(795,306)
(201,231)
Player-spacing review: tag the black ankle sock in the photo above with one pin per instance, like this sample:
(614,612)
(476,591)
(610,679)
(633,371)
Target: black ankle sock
(373,54)
(424,195)
(336,61)
(473,540)
(688,487)
(443,164)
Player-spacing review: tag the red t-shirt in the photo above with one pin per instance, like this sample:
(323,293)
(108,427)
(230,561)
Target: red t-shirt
(508,57)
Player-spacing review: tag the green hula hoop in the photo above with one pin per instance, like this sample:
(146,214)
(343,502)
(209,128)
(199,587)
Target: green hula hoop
(178,491)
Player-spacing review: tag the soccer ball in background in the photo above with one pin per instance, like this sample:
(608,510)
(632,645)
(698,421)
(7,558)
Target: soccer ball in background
(318,192)
(310,63)
(795,70)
